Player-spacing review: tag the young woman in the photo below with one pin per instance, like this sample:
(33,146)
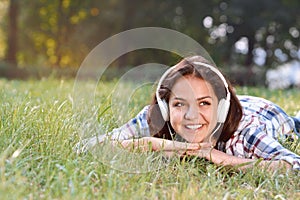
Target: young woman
(195,111)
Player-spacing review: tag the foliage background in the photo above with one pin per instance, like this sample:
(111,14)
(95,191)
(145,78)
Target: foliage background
(45,37)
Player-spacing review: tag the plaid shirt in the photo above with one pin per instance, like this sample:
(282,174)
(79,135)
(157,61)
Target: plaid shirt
(261,128)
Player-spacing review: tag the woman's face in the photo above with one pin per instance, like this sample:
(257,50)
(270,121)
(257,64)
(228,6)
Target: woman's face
(193,108)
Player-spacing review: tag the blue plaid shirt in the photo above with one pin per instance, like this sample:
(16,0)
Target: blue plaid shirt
(261,128)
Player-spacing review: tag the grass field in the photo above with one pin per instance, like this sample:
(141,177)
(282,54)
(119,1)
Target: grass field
(39,128)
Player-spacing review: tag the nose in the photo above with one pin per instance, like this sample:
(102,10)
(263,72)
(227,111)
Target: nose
(191,113)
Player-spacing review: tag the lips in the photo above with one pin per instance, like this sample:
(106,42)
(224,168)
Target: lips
(194,126)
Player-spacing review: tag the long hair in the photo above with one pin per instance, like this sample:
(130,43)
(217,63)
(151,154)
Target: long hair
(159,128)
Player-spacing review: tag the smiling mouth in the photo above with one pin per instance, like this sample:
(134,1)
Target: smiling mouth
(194,127)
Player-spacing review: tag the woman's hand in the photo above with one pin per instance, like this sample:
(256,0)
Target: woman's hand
(205,151)
(223,159)
(168,147)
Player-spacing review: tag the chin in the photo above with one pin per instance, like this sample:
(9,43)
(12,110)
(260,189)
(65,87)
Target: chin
(194,140)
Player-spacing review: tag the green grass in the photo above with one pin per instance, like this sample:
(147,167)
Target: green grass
(39,128)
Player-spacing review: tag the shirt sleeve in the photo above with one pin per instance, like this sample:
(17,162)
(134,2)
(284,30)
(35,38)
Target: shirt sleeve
(134,128)
(257,144)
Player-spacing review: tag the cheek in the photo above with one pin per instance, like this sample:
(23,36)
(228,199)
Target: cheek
(212,116)
(211,113)
(214,112)
(176,116)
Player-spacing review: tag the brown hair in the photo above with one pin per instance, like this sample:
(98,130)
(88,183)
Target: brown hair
(187,66)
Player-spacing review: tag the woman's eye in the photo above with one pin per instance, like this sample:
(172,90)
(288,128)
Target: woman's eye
(204,103)
(178,104)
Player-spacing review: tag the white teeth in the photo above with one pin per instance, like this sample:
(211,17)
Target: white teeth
(194,126)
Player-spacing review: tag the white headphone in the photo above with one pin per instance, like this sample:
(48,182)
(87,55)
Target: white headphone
(223,106)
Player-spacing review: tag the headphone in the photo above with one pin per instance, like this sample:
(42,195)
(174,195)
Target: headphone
(223,105)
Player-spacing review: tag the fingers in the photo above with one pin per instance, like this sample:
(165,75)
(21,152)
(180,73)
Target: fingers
(174,145)
(201,153)
(173,148)
(168,145)
(206,145)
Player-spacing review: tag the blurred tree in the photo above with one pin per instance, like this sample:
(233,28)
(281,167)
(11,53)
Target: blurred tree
(269,25)
(12,33)
(48,28)
(61,33)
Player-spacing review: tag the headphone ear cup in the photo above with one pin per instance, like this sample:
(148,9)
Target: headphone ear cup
(164,109)
(223,108)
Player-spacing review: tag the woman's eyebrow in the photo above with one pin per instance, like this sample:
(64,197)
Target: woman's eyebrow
(198,99)
(178,98)
(205,97)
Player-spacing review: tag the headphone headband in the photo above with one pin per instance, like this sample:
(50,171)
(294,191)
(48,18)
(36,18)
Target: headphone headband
(220,75)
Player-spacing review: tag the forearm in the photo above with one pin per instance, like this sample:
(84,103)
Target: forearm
(224,159)
(158,144)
